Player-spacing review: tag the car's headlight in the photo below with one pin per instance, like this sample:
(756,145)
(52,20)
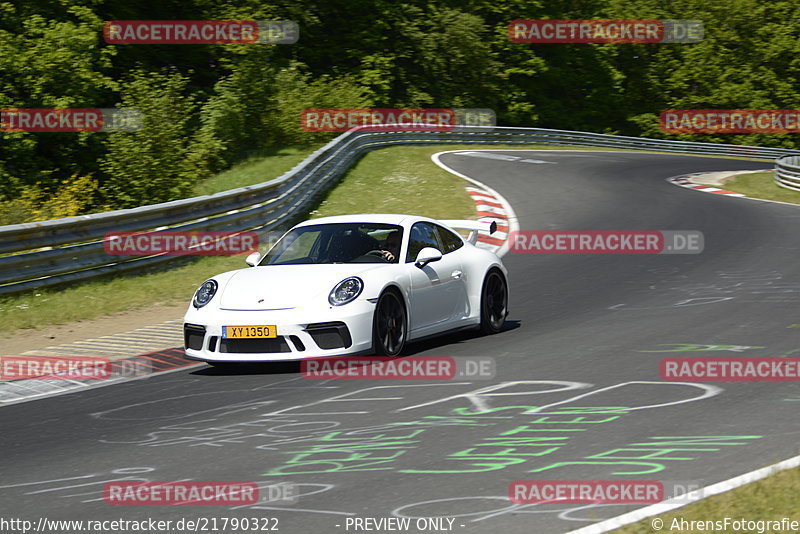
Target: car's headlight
(205,293)
(346,291)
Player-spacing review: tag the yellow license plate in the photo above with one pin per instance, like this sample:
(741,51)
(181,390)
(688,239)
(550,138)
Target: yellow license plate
(249,332)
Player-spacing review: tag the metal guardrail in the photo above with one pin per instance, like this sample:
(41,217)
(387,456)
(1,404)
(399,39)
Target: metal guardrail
(48,253)
(787,172)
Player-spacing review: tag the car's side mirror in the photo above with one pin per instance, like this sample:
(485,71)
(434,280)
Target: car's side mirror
(426,256)
(253,259)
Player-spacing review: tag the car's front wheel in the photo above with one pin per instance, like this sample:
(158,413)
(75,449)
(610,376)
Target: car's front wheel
(494,302)
(389,325)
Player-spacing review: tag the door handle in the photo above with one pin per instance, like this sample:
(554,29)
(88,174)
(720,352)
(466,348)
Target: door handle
(456,275)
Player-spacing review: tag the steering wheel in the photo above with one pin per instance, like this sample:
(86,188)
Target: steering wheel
(379,253)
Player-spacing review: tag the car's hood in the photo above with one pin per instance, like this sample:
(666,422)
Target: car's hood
(274,287)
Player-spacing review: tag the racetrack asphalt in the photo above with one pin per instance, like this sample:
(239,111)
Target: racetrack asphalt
(580,354)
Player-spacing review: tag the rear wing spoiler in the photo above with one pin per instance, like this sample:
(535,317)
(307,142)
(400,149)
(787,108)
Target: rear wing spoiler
(473,226)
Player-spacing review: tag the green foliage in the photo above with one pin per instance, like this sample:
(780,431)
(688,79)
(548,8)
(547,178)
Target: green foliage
(298,91)
(50,63)
(158,162)
(235,115)
(748,60)
(35,203)
(210,106)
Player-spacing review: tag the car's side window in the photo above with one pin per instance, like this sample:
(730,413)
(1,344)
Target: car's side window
(422,235)
(450,241)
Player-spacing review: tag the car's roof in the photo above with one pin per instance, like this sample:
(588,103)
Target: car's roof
(386,218)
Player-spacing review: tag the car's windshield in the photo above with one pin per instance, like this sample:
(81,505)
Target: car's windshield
(338,243)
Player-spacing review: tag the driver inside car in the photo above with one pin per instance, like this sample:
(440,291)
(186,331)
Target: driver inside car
(391,247)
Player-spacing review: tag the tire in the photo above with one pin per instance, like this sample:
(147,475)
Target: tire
(389,325)
(494,302)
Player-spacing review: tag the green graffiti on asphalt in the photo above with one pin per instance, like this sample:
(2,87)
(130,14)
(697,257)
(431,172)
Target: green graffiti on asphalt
(352,451)
(660,448)
(691,347)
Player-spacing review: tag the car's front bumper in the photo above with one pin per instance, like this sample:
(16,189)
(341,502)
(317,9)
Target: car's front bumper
(301,333)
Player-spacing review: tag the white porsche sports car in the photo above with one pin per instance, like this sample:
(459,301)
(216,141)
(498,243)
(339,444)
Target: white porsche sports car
(349,284)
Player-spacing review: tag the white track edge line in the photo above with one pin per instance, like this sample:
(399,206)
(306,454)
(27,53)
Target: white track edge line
(628,151)
(513,224)
(688,185)
(660,508)
(692,497)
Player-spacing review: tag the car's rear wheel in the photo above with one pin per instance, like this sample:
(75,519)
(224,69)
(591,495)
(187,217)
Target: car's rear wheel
(494,302)
(389,325)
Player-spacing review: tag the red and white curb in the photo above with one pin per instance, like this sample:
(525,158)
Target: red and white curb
(491,207)
(685,180)
(134,355)
(121,370)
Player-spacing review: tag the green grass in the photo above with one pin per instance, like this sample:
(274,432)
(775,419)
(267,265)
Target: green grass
(396,182)
(260,167)
(403,179)
(761,185)
(399,179)
(395,179)
(43,307)
(772,498)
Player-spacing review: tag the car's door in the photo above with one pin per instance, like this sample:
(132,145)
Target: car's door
(436,288)
(453,249)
